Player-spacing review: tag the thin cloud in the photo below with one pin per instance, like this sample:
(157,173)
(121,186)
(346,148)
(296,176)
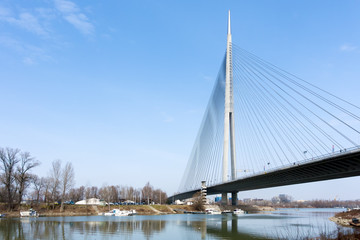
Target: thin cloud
(24,20)
(348,48)
(28,61)
(167,118)
(30,54)
(72,14)
(206,77)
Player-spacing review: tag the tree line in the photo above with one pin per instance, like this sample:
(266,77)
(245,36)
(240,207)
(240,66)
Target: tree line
(286,201)
(17,182)
(116,194)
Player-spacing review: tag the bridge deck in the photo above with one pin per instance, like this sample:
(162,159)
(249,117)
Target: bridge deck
(337,166)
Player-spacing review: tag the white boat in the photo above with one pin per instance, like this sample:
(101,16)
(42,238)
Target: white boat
(110,213)
(29,213)
(120,213)
(212,211)
(238,212)
(132,212)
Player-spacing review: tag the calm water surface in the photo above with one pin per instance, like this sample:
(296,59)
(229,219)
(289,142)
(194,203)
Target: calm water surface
(285,223)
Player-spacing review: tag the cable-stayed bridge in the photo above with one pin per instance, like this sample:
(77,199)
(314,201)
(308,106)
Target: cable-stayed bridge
(272,128)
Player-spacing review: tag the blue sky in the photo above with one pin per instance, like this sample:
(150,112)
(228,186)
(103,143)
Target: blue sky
(119,87)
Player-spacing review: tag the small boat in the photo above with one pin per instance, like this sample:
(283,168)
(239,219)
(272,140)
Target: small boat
(30,213)
(120,213)
(2,215)
(212,211)
(132,212)
(238,212)
(110,213)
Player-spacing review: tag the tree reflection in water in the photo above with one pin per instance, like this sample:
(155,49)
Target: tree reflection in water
(64,228)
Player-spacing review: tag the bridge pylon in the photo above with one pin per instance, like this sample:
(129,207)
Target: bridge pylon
(229,122)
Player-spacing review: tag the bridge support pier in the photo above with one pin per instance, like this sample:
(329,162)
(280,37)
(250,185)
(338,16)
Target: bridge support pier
(234,198)
(224,198)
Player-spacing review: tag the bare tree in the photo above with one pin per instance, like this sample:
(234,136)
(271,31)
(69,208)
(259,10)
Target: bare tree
(39,184)
(55,175)
(114,194)
(130,193)
(122,192)
(47,187)
(22,176)
(87,192)
(67,181)
(197,202)
(94,192)
(147,192)
(9,158)
(137,194)
(159,196)
(105,194)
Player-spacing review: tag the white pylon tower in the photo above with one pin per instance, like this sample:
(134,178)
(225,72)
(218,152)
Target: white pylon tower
(229,125)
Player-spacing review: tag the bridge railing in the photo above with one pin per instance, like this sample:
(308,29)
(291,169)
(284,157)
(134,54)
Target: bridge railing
(318,158)
(297,163)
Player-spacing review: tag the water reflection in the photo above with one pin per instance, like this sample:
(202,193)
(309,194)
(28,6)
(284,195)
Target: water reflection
(220,227)
(251,226)
(11,230)
(64,228)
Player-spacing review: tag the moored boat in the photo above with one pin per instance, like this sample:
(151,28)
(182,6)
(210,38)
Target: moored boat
(110,213)
(30,213)
(120,213)
(212,211)
(238,212)
(132,212)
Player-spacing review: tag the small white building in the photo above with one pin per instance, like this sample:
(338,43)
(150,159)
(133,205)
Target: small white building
(178,202)
(91,201)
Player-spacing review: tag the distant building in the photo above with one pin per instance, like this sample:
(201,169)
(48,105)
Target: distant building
(247,200)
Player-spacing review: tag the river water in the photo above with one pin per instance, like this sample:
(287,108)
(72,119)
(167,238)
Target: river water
(283,223)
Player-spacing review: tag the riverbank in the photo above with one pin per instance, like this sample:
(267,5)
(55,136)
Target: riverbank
(344,218)
(88,210)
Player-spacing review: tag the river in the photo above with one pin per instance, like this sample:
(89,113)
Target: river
(283,223)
